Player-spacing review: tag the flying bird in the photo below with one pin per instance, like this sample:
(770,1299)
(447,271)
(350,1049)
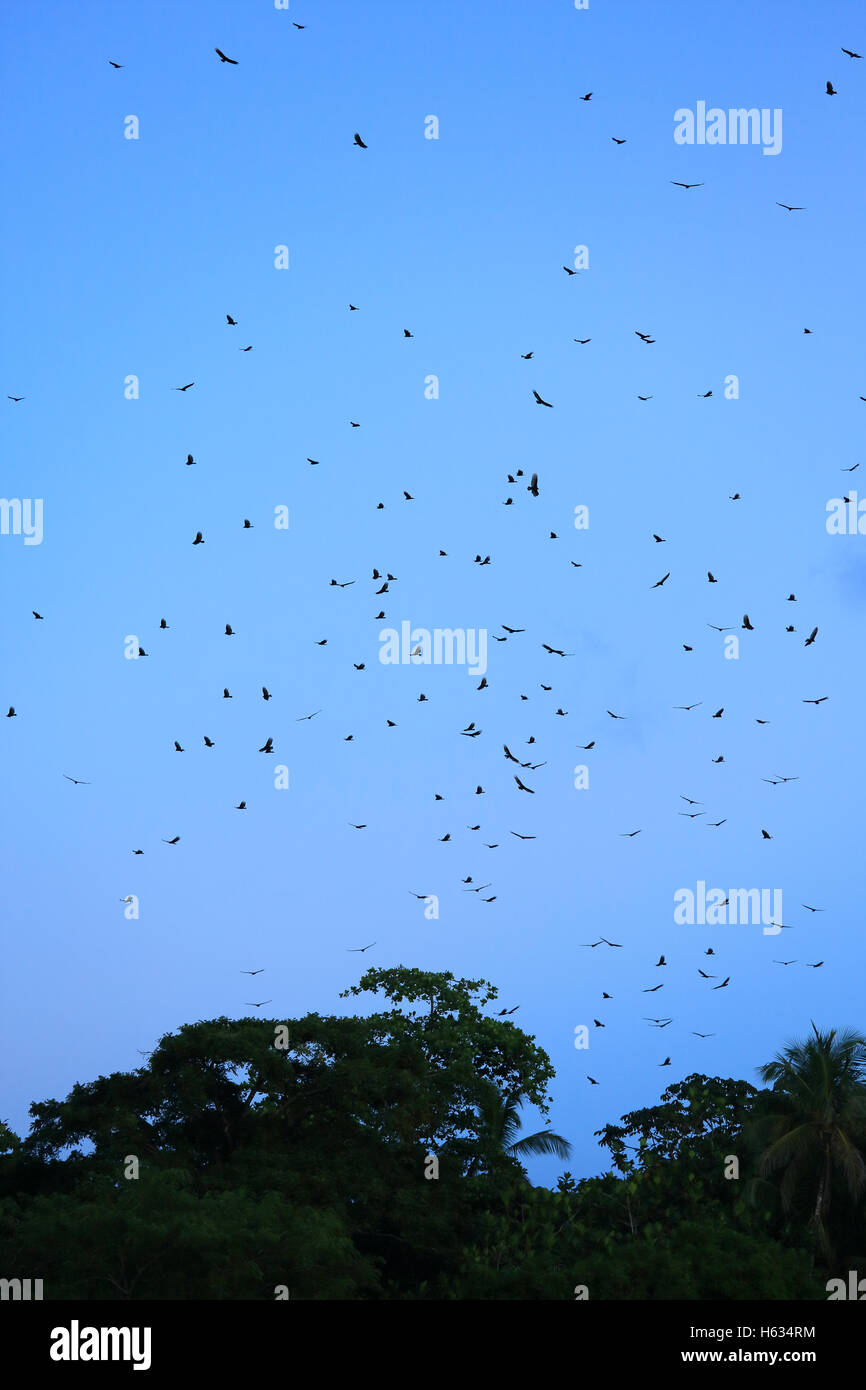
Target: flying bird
(185,388)
(359,142)
(234,62)
(355,949)
(831,90)
(676,184)
(811,638)
(539,401)
(76,780)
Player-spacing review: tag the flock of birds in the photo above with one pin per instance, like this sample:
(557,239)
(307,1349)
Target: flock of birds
(527,768)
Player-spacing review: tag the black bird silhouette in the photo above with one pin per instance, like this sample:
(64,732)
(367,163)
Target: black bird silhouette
(539,401)
(851,54)
(199,538)
(676,184)
(831,90)
(253,1005)
(592,1079)
(120,65)
(522,787)
(616,716)
(587,97)
(172,842)
(268,746)
(628,834)
(661,581)
(355,949)
(76,780)
(617,142)
(533,486)
(185,388)
(810,639)
(252,972)
(725,981)
(223,59)
(359,141)
(16,398)
(583,341)
(232,321)
(813,909)
(241,806)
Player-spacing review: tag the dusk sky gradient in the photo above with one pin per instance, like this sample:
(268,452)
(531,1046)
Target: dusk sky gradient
(124,257)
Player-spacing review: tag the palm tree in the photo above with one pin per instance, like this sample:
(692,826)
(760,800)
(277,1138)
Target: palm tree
(816,1116)
(500,1119)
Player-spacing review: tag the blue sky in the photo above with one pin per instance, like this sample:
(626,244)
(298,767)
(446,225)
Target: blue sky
(125,256)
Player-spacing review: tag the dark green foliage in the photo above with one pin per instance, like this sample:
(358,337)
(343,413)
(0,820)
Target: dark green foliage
(308,1166)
